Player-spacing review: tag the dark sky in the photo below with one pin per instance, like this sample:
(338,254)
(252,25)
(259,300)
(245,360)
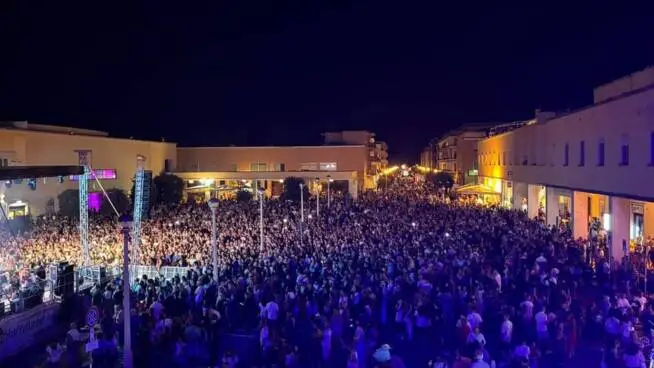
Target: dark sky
(280,72)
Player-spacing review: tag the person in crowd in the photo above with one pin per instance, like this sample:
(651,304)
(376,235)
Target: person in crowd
(323,291)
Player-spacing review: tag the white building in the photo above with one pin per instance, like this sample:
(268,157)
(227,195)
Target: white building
(592,165)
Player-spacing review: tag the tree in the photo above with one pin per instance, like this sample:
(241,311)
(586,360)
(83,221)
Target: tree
(169,188)
(69,203)
(441,179)
(292,189)
(244,196)
(383,182)
(120,201)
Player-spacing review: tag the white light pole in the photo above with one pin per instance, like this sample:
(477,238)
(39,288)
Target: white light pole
(260,191)
(329,197)
(126,229)
(302,202)
(317,197)
(213,206)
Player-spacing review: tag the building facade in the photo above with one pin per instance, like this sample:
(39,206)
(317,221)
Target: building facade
(591,169)
(377,150)
(113,161)
(456,153)
(209,170)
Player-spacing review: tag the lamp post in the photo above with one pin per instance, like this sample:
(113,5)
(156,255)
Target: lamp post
(317,197)
(302,202)
(329,198)
(213,206)
(260,191)
(126,229)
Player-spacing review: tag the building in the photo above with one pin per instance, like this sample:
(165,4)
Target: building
(208,171)
(591,169)
(377,150)
(456,152)
(112,159)
(428,157)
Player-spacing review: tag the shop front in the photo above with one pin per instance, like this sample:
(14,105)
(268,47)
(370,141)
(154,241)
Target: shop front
(537,202)
(559,207)
(507,194)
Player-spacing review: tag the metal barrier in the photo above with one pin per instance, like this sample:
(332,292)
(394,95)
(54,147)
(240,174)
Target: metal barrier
(98,274)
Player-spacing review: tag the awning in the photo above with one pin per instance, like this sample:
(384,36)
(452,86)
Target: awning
(478,189)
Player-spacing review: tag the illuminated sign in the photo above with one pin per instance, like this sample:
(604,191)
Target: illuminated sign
(101,174)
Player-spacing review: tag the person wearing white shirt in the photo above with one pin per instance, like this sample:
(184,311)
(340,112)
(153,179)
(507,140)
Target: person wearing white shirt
(156,309)
(474,319)
(541,324)
(477,336)
(506,331)
(522,351)
(272,311)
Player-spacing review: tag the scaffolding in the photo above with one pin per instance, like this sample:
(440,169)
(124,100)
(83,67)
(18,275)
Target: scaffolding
(138,205)
(84,205)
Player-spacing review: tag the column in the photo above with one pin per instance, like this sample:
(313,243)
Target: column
(620,213)
(532,201)
(580,215)
(353,188)
(552,205)
(648,217)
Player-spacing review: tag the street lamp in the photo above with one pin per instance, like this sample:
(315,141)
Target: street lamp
(213,206)
(260,191)
(126,229)
(329,198)
(302,202)
(317,197)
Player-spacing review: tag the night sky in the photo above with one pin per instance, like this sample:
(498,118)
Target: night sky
(280,72)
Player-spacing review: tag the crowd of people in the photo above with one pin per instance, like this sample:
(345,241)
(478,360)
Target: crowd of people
(373,282)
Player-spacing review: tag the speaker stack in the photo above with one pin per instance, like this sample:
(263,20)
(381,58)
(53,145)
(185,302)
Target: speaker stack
(65,280)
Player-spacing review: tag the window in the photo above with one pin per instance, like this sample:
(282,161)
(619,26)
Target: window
(309,166)
(328,166)
(278,167)
(582,153)
(4,162)
(624,154)
(100,174)
(601,147)
(233,167)
(372,153)
(258,166)
(566,155)
(504,158)
(168,165)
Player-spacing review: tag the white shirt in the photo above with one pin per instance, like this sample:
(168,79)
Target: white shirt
(506,333)
(528,308)
(634,361)
(475,320)
(522,351)
(541,321)
(264,338)
(272,310)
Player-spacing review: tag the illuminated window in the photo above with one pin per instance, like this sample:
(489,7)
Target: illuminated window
(582,153)
(328,166)
(100,174)
(258,166)
(309,166)
(566,155)
(601,147)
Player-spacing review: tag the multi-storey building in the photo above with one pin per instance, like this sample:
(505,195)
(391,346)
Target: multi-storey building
(590,167)
(113,161)
(377,150)
(207,171)
(456,152)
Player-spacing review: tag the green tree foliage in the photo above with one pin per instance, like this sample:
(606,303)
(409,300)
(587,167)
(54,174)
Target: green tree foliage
(170,188)
(441,179)
(292,189)
(119,199)
(69,203)
(244,196)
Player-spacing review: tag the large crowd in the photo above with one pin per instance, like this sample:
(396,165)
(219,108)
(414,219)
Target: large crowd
(390,277)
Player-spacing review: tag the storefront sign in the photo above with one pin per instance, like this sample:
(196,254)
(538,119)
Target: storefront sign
(637,208)
(23,330)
